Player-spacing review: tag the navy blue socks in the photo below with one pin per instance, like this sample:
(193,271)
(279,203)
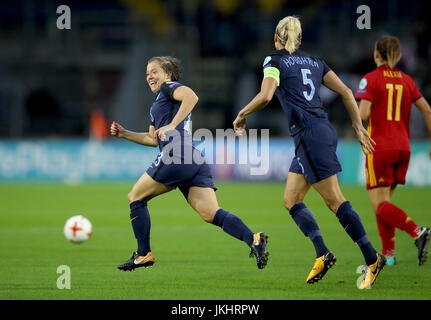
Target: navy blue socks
(352,223)
(141,224)
(305,220)
(233,225)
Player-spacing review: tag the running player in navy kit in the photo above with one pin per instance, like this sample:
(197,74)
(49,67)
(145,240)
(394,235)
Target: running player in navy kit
(295,77)
(179,164)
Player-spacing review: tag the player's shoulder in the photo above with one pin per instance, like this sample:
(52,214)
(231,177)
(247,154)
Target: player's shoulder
(313,58)
(167,88)
(368,79)
(366,82)
(302,53)
(167,85)
(273,59)
(305,54)
(405,76)
(278,53)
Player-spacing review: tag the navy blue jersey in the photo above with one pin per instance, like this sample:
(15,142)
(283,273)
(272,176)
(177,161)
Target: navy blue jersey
(299,78)
(164,109)
(191,168)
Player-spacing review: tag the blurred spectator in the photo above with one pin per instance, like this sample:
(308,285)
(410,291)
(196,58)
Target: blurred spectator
(222,44)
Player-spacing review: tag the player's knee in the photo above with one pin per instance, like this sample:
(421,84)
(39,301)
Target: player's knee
(287,204)
(207,216)
(376,204)
(131,196)
(330,205)
(204,212)
(333,204)
(291,199)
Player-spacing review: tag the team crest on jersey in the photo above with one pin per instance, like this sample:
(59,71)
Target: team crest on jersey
(362,86)
(267,59)
(170,83)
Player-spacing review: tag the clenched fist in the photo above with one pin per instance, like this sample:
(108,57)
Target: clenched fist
(117,130)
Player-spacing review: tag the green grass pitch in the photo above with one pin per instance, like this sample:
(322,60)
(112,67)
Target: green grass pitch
(194,260)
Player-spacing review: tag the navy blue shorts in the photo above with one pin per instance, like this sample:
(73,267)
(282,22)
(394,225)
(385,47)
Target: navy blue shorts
(182,175)
(315,151)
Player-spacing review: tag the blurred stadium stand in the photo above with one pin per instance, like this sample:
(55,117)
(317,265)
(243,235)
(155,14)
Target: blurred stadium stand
(52,81)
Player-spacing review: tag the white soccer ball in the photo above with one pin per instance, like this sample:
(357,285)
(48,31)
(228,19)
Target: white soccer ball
(78,229)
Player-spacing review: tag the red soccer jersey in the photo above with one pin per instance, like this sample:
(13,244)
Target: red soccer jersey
(391,92)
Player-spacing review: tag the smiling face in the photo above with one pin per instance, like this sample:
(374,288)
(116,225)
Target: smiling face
(156,76)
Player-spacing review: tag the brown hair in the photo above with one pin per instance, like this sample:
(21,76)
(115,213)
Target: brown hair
(389,48)
(170,65)
(289,33)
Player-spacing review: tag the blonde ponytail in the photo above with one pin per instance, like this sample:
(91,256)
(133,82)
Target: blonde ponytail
(289,33)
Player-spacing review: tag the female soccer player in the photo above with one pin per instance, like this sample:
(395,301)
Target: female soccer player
(295,77)
(386,96)
(179,164)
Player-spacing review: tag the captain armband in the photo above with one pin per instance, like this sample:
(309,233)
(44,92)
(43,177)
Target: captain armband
(272,72)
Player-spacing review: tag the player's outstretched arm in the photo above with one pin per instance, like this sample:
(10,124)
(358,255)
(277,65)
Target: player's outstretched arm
(332,82)
(144,138)
(188,99)
(425,108)
(267,89)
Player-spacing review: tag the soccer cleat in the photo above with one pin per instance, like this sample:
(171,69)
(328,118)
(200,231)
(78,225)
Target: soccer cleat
(259,249)
(137,261)
(372,272)
(391,260)
(421,243)
(321,266)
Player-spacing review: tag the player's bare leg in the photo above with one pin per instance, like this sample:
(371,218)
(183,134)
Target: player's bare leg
(330,191)
(204,202)
(296,189)
(147,188)
(379,195)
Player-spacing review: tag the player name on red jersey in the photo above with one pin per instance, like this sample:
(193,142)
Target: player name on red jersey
(392,74)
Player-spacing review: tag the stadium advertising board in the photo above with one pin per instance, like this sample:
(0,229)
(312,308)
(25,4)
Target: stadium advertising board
(76,161)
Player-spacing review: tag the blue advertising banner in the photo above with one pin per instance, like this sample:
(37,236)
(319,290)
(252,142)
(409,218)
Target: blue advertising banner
(73,161)
(76,161)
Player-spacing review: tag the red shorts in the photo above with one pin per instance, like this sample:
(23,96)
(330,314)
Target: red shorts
(386,168)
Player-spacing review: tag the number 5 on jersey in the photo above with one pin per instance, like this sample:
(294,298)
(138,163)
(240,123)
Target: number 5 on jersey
(307,81)
(399,89)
